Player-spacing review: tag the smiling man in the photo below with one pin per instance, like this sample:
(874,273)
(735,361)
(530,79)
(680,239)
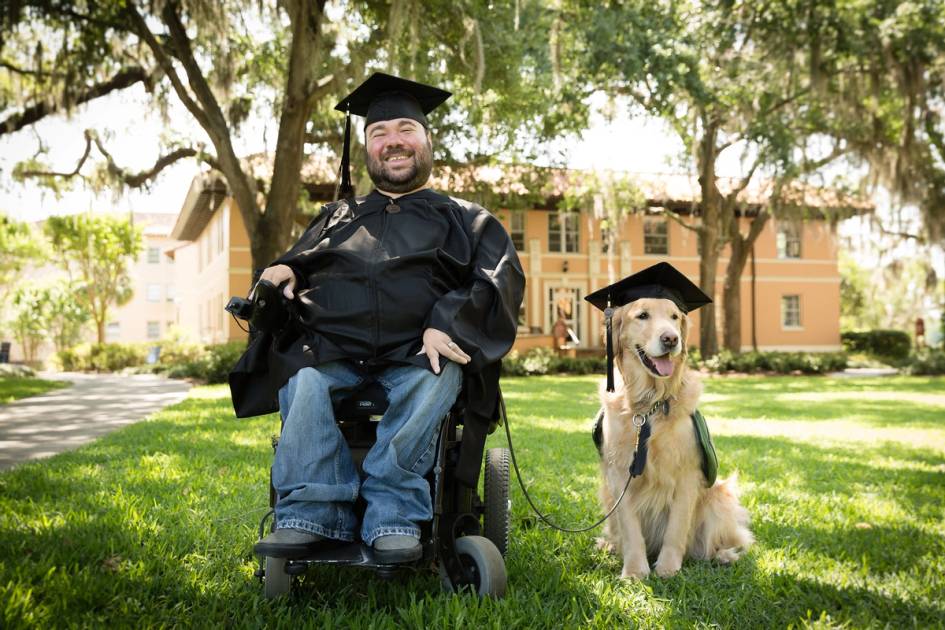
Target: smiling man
(408,286)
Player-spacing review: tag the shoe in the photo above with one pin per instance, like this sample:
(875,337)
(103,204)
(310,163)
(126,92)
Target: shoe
(291,543)
(396,549)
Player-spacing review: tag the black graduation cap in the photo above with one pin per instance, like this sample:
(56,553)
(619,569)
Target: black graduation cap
(384,97)
(661,280)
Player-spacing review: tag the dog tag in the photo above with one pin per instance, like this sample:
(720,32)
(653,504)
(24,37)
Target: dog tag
(392,208)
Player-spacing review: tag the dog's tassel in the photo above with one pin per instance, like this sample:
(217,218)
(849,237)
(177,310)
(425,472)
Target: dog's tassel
(608,317)
(639,453)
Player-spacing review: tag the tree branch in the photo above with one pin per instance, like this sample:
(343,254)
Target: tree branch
(166,64)
(70,175)
(123,79)
(678,219)
(139,179)
(42,74)
(198,83)
(132,180)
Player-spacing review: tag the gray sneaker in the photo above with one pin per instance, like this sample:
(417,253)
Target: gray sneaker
(396,549)
(291,543)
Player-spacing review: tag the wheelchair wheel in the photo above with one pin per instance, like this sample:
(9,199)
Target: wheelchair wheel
(497,503)
(276,582)
(480,556)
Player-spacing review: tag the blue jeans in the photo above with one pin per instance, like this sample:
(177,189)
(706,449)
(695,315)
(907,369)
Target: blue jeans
(313,473)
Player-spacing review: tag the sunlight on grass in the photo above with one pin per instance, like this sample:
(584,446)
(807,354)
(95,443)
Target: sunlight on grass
(153,525)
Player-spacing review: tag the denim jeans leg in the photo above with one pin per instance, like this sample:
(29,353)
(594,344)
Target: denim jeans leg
(312,472)
(397,495)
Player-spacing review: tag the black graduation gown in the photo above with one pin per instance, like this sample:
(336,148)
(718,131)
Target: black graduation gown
(371,276)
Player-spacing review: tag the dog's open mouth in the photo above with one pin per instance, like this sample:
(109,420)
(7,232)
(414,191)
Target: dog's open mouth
(659,366)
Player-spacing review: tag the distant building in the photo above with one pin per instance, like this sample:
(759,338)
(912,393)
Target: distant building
(795,294)
(153,307)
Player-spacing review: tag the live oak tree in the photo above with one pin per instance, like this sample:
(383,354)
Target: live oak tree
(791,87)
(227,62)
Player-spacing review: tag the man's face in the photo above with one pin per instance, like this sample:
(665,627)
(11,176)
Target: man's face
(399,155)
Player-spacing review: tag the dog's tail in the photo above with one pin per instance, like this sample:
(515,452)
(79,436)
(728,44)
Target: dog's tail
(722,532)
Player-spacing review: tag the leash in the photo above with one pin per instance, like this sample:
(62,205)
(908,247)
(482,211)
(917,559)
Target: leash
(639,443)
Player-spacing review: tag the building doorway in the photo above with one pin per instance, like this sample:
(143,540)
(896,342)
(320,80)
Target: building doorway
(564,316)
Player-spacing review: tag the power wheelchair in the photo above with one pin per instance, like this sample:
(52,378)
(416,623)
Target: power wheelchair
(468,537)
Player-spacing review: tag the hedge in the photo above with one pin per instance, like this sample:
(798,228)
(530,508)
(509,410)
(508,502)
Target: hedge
(545,361)
(886,344)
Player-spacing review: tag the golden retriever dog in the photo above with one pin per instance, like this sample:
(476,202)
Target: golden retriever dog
(668,512)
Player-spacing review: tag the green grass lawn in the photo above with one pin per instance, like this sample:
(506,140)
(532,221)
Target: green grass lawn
(845,479)
(13,388)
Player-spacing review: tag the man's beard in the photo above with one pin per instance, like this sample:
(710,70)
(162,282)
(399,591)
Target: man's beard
(409,180)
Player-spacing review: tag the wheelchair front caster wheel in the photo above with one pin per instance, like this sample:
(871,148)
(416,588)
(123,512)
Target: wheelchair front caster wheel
(484,562)
(276,582)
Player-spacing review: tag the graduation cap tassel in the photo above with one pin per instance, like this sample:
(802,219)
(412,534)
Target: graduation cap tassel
(608,317)
(346,190)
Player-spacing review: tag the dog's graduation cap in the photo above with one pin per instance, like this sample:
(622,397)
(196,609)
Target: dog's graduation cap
(662,280)
(384,97)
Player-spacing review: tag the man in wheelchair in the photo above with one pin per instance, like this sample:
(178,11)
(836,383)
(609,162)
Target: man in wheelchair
(406,286)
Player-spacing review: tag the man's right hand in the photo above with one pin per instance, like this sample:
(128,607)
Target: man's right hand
(277,274)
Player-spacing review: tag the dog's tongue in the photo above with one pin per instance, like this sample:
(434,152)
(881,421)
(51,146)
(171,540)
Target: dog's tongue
(664,365)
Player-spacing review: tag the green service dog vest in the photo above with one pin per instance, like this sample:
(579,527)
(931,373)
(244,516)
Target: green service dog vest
(710,461)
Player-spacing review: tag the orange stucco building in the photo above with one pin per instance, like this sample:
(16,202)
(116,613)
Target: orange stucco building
(795,293)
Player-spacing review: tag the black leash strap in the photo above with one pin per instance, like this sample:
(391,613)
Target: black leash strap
(518,475)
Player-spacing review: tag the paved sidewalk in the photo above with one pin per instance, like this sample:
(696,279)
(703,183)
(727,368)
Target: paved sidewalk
(95,404)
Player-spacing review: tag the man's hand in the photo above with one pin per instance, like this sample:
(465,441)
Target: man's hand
(437,343)
(277,274)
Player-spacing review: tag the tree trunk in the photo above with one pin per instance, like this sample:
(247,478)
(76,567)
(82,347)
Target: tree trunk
(709,241)
(272,234)
(732,298)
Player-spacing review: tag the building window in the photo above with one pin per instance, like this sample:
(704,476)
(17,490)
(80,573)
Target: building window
(656,235)
(154,330)
(789,241)
(154,293)
(563,235)
(522,319)
(517,229)
(790,311)
(112,331)
(154,255)
(170,292)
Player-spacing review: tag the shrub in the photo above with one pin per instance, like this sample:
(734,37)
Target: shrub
(928,362)
(887,344)
(112,357)
(513,364)
(101,357)
(177,348)
(545,361)
(220,359)
(538,360)
(779,362)
(578,365)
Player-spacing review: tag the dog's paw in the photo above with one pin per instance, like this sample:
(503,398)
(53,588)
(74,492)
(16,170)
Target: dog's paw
(635,570)
(604,545)
(727,556)
(668,563)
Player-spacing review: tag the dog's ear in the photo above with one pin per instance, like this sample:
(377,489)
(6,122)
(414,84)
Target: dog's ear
(684,332)
(616,326)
